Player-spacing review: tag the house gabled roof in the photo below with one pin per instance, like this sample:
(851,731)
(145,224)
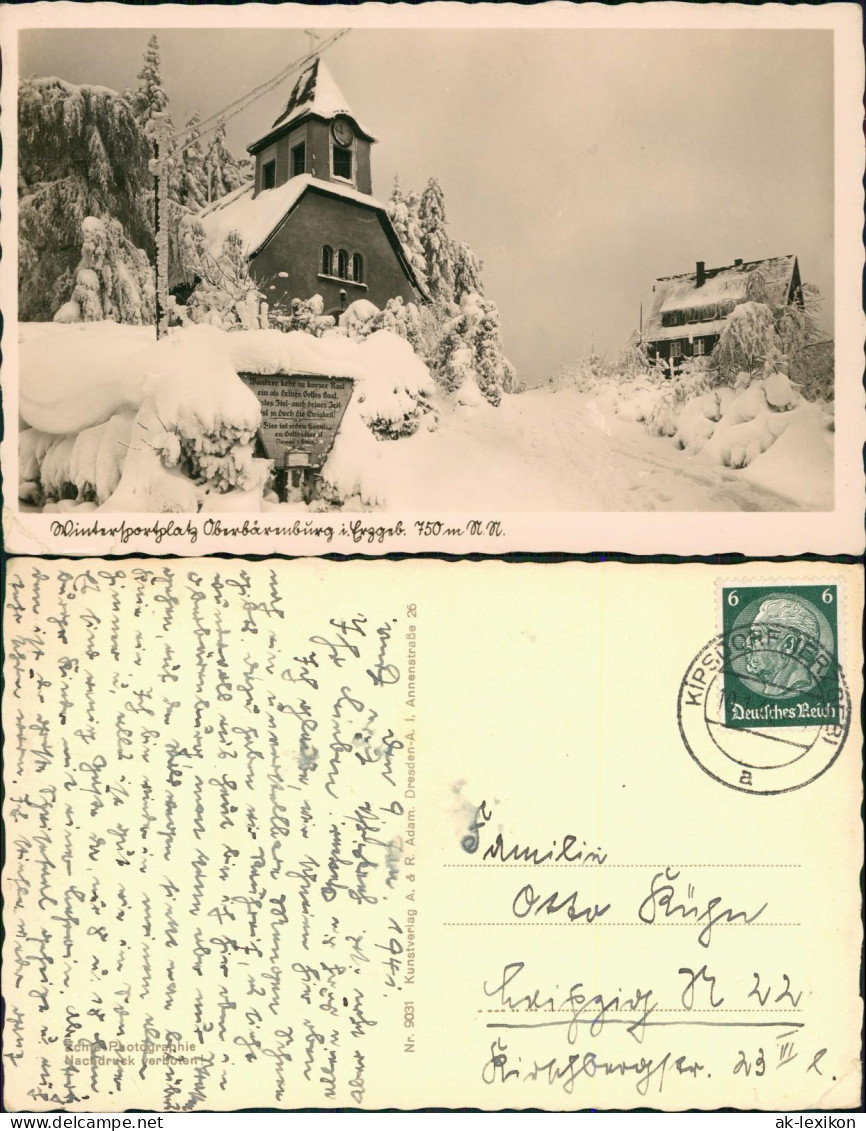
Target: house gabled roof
(257,219)
(716,292)
(315,94)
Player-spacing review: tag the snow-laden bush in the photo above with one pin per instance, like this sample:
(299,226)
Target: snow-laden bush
(226,296)
(632,361)
(404,320)
(98,456)
(693,381)
(55,471)
(729,425)
(198,414)
(113,280)
(698,418)
(362,318)
(748,427)
(147,485)
(585,374)
(358,319)
(747,339)
(637,401)
(401,399)
(303,314)
(193,435)
(393,400)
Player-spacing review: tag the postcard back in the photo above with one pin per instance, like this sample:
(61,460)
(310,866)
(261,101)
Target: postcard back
(307,834)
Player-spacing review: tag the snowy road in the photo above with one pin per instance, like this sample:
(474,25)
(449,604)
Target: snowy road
(543,450)
(557,451)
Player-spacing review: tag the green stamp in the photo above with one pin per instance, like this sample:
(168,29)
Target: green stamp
(780,656)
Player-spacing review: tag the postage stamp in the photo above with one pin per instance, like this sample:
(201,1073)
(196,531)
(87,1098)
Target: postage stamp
(781,656)
(764,706)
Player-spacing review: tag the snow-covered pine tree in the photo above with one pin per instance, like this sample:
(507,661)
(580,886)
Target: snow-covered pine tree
(393,205)
(81,152)
(403,211)
(402,319)
(453,362)
(192,178)
(494,372)
(150,97)
(436,243)
(467,272)
(114,279)
(222,171)
(469,360)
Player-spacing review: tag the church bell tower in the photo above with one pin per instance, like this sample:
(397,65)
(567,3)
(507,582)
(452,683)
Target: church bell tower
(315,136)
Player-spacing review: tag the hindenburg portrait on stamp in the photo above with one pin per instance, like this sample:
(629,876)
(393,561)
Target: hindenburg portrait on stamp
(782,634)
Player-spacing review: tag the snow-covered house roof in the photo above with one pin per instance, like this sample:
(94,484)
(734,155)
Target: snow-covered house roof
(257,218)
(700,300)
(314,94)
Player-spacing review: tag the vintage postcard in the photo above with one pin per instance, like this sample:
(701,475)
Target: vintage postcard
(302,834)
(457,278)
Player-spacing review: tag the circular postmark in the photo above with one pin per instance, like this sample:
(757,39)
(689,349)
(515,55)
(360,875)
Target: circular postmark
(762,713)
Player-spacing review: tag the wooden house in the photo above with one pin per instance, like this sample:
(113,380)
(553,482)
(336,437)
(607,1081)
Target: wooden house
(684,314)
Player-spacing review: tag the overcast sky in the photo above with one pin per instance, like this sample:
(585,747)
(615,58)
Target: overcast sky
(579,165)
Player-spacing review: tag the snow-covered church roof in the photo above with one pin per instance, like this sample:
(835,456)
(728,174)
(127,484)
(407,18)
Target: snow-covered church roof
(257,218)
(713,291)
(315,93)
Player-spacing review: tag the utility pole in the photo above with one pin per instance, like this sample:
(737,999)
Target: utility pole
(160,135)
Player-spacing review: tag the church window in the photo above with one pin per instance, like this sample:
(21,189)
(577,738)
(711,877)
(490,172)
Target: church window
(357,268)
(327,260)
(343,264)
(299,160)
(342,163)
(269,175)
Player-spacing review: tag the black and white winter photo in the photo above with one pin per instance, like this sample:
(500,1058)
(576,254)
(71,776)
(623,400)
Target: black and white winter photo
(425,271)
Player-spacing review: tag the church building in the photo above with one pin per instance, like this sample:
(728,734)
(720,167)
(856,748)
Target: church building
(309,221)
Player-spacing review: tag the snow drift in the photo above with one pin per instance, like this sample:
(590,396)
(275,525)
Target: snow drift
(131,424)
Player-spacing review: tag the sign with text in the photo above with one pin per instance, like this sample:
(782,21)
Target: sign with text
(300,413)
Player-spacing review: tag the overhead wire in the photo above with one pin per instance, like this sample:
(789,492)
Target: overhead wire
(195,132)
